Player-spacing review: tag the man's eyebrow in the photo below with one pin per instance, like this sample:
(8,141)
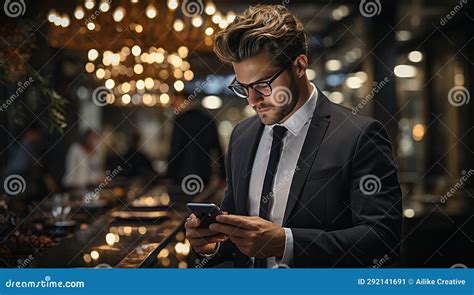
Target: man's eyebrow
(263,78)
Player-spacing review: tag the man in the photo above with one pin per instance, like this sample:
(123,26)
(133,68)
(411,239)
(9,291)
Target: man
(309,183)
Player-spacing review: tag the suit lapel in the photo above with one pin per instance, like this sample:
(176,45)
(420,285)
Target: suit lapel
(251,138)
(315,135)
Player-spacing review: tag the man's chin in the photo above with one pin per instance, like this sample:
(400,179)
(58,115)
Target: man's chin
(267,119)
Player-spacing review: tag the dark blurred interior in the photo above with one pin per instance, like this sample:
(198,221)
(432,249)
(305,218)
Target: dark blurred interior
(102,83)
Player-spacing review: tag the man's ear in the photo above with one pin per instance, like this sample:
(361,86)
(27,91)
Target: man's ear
(301,63)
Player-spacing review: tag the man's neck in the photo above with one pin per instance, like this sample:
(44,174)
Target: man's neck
(305,91)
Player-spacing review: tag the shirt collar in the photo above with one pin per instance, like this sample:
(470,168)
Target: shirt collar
(298,119)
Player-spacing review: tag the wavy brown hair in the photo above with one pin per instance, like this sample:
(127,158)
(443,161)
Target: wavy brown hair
(262,28)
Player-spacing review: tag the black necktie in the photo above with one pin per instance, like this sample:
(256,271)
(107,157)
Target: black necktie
(279,133)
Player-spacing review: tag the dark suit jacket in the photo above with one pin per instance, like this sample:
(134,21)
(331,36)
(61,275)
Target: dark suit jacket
(334,223)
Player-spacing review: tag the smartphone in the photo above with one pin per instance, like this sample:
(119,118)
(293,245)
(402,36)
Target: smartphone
(206,212)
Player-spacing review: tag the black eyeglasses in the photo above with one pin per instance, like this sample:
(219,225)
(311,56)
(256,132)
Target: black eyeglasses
(263,88)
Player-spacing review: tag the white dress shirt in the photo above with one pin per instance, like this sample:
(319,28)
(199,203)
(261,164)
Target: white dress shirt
(297,125)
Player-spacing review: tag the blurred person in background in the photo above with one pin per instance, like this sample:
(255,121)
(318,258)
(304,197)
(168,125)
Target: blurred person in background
(195,147)
(27,160)
(136,163)
(84,162)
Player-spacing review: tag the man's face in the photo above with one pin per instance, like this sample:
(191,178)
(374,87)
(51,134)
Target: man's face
(271,109)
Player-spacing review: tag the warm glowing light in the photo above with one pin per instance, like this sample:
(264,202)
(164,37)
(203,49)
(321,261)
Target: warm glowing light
(140,84)
(89,4)
(92,54)
(183,51)
(110,237)
(151,11)
(90,67)
(149,83)
(418,132)
(126,98)
(79,12)
(405,71)
(415,56)
(188,75)
(100,73)
(126,87)
(354,82)
(109,83)
(119,14)
(172,4)
(136,50)
(138,28)
(164,98)
(223,24)
(95,255)
(87,258)
(210,8)
(230,16)
(216,18)
(209,31)
(178,25)
(178,85)
(409,213)
(104,6)
(91,26)
(197,21)
(212,102)
(333,65)
(138,69)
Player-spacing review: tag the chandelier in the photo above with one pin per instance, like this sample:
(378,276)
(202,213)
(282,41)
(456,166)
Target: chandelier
(138,49)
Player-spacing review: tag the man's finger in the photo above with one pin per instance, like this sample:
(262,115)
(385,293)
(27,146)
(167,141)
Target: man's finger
(192,222)
(197,242)
(200,233)
(228,230)
(236,220)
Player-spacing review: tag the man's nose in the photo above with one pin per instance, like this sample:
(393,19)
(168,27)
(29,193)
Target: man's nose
(254,97)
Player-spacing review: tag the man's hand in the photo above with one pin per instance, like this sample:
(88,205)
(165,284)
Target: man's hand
(203,240)
(254,236)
